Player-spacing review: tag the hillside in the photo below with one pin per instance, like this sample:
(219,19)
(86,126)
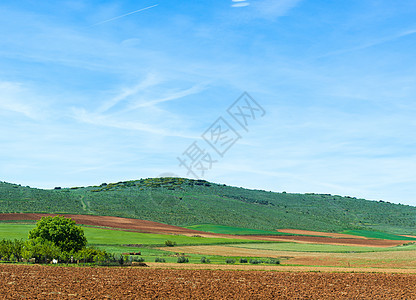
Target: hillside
(185,202)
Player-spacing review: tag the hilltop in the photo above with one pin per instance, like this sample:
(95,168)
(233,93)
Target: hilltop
(186,202)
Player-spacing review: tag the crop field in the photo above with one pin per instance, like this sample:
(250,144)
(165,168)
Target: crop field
(100,236)
(221,229)
(44,282)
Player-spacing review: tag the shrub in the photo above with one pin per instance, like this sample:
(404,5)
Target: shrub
(170,243)
(273,261)
(230,261)
(205,260)
(159,259)
(255,261)
(90,254)
(182,259)
(243,260)
(138,259)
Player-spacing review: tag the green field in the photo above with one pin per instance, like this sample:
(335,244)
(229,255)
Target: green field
(99,236)
(378,235)
(233,230)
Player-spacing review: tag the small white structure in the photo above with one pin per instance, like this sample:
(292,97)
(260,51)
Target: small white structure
(54,261)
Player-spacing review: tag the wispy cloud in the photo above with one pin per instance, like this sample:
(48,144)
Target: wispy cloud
(112,121)
(272,9)
(150,80)
(371,44)
(171,96)
(11,97)
(125,15)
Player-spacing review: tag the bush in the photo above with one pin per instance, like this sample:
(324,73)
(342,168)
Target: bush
(182,259)
(230,261)
(273,261)
(90,254)
(138,259)
(170,243)
(205,260)
(255,261)
(158,259)
(243,260)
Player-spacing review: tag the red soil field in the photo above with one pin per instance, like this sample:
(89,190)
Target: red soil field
(159,228)
(49,282)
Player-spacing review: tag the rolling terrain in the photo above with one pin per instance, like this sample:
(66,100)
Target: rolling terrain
(185,202)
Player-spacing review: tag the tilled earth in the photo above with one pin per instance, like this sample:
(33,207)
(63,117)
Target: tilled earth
(51,282)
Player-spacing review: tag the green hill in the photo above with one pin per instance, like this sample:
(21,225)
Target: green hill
(186,202)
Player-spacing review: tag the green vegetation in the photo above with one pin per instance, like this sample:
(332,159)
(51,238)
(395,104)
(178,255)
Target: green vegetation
(99,236)
(379,235)
(170,243)
(182,259)
(186,202)
(233,230)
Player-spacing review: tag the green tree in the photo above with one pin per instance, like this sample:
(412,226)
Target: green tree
(61,231)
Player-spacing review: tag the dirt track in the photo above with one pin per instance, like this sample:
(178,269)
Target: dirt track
(44,282)
(154,227)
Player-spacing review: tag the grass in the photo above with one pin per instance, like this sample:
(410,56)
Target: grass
(99,236)
(233,230)
(15,230)
(378,235)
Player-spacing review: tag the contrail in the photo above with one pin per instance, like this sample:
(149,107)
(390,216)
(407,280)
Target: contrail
(130,13)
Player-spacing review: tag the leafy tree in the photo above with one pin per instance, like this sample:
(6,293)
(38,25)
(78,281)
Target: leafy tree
(61,231)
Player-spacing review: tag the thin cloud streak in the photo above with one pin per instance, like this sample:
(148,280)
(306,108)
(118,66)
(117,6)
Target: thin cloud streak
(125,15)
(371,44)
(83,116)
(149,81)
(173,96)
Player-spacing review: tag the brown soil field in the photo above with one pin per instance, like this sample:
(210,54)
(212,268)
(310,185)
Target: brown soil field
(319,233)
(154,227)
(385,260)
(44,282)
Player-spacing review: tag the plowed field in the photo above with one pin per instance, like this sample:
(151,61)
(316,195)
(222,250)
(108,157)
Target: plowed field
(44,282)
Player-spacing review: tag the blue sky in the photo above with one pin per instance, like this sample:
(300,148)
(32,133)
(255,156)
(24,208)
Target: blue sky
(103,91)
